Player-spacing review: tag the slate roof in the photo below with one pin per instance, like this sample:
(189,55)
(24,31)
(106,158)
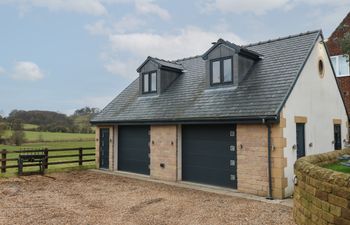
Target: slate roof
(261,94)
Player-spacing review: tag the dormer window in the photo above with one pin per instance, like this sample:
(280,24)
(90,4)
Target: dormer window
(221,71)
(149,84)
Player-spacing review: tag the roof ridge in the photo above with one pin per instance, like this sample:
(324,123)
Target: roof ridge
(168,61)
(187,58)
(281,38)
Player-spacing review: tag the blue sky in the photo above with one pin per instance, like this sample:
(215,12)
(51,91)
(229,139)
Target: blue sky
(62,55)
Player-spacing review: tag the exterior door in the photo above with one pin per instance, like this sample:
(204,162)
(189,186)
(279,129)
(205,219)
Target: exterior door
(300,140)
(337,137)
(133,149)
(104,148)
(209,154)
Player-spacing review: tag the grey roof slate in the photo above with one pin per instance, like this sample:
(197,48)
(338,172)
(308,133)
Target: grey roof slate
(262,92)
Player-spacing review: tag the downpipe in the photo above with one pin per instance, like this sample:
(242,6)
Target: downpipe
(269,149)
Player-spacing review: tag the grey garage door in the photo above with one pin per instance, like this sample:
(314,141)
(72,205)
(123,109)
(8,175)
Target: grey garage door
(209,154)
(133,149)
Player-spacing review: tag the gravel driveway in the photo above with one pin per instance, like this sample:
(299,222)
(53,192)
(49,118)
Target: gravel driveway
(87,197)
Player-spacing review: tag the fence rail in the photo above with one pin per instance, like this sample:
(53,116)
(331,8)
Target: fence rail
(80,157)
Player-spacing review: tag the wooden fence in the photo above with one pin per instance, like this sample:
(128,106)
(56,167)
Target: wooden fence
(80,157)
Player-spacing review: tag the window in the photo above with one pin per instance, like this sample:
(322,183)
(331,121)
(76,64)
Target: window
(221,71)
(149,82)
(341,65)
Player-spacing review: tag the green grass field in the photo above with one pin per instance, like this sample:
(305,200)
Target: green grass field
(56,136)
(28,126)
(52,145)
(338,167)
(37,136)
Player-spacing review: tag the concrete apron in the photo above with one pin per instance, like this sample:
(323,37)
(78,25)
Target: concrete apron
(201,187)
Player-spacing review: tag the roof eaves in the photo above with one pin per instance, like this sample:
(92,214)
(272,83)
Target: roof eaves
(279,109)
(244,119)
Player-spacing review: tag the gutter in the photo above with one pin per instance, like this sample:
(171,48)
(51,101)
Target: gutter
(234,120)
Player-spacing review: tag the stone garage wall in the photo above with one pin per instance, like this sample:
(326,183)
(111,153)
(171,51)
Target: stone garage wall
(321,196)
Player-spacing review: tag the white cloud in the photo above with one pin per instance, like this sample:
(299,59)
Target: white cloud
(237,6)
(148,7)
(186,42)
(128,23)
(125,24)
(92,7)
(261,7)
(98,28)
(27,71)
(123,67)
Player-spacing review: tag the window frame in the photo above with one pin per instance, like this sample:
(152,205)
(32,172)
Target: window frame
(221,60)
(149,82)
(336,66)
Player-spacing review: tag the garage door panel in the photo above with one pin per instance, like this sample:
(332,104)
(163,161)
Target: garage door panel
(208,146)
(209,176)
(135,166)
(208,154)
(209,150)
(216,161)
(133,149)
(134,153)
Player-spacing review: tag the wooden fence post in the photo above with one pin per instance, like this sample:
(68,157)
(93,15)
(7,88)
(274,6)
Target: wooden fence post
(3,161)
(46,153)
(80,156)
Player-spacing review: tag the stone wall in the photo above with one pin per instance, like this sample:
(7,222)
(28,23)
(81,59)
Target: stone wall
(252,166)
(252,159)
(164,152)
(321,196)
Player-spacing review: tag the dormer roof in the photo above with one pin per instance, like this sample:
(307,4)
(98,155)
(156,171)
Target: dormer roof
(161,64)
(238,49)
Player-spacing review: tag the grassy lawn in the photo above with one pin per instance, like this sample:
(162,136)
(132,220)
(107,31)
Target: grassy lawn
(338,167)
(28,126)
(36,136)
(52,145)
(56,136)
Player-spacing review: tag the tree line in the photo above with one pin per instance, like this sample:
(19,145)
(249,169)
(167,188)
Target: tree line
(50,121)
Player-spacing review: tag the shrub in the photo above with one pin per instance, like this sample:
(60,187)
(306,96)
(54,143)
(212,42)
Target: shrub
(17,137)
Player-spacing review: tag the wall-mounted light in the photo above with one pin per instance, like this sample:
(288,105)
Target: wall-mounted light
(295,180)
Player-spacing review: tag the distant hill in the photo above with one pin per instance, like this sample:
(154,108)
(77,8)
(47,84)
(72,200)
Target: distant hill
(53,121)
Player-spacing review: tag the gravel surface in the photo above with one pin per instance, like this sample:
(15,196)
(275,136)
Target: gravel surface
(86,197)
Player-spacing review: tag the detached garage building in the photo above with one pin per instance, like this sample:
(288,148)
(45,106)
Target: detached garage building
(236,117)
